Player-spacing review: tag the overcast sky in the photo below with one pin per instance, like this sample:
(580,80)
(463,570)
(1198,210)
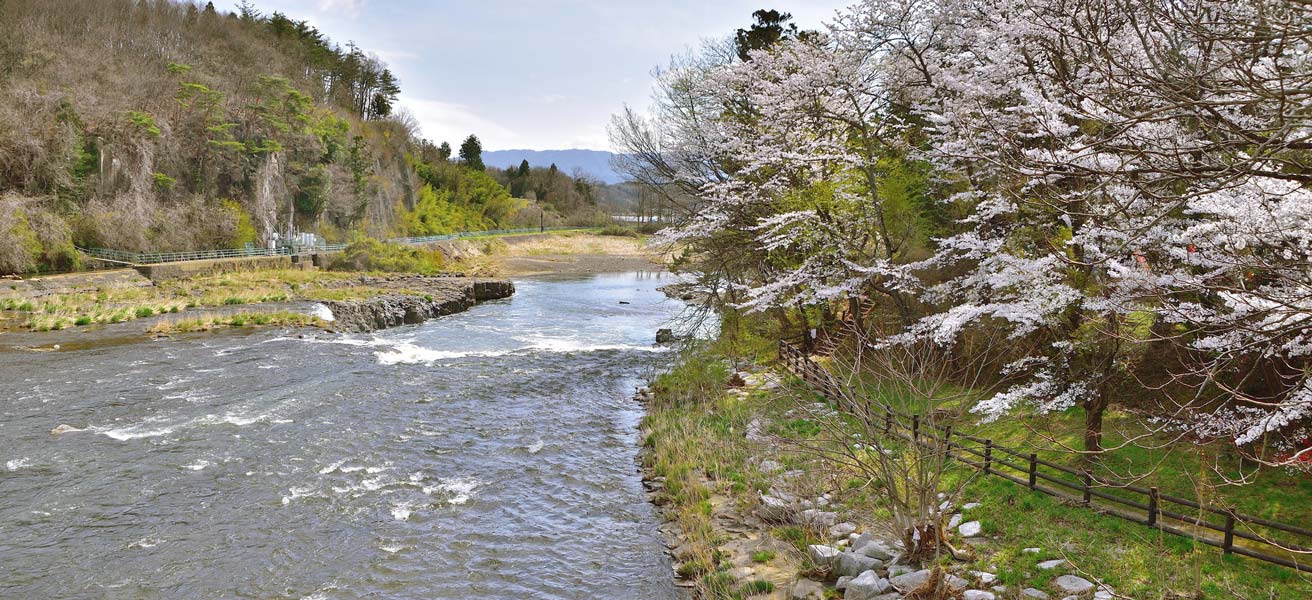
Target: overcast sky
(523,73)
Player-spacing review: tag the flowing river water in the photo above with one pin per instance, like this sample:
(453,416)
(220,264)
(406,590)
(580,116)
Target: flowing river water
(489,454)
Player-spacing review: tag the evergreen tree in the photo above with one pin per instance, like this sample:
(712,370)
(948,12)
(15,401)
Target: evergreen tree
(523,168)
(444,152)
(471,153)
(770,28)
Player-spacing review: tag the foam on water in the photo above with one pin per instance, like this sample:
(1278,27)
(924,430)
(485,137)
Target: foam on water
(405,353)
(459,490)
(323,312)
(18,463)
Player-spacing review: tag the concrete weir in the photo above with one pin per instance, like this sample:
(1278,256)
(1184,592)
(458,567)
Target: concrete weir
(416,300)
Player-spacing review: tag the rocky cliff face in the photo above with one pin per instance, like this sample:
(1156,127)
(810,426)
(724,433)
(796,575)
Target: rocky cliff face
(416,300)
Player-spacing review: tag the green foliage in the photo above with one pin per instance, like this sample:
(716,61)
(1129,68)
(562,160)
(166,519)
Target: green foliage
(312,191)
(369,254)
(144,123)
(475,192)
(244,230)
(619,231)
(163,182)
(436,214)
(762,556)
(144,312)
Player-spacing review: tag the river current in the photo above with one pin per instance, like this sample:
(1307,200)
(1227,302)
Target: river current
(488,454)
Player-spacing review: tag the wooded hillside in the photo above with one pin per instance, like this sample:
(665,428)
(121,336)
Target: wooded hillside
(162,125)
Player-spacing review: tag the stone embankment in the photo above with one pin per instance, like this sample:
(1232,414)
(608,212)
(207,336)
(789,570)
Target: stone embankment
(414,300)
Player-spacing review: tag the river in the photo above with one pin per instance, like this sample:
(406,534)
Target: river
(489,454)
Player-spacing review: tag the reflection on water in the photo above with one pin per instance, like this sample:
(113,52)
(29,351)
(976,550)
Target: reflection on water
(488,454)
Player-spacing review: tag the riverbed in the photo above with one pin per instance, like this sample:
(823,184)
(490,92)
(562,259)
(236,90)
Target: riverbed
(488,454)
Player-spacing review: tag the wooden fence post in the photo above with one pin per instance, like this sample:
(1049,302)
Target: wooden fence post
(988,457)
(1229,532)
(1034,470)
(1152,506)
(1088,485)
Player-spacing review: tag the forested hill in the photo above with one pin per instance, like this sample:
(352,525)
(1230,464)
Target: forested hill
(593,163)
(164,125)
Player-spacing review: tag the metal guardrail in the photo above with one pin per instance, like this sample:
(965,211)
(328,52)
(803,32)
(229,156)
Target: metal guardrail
(151,258)
(1241,534)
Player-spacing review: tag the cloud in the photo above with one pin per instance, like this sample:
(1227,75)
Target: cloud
(446,121)
(348,7)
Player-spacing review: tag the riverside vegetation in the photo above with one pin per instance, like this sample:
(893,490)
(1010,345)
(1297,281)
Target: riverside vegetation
(1011,218)
(728,431)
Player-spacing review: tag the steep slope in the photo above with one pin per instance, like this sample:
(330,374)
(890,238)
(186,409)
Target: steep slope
(163,125)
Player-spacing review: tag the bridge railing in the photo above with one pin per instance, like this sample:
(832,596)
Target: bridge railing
(150,258)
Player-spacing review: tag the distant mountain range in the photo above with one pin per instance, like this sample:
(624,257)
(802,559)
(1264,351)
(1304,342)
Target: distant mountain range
(593,162)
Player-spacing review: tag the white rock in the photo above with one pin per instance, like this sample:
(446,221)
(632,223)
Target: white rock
(984,577)
(957,582)
(1071,584)
(865,586)
(770,466)
(817,518)
(775,510)
(910,581)
(970,529)
(970,506)
(1049,565)
(954,521)
(842,530)
(977,595)
(842,582)
(1032,550)
(64,428)
(741,572)
(1033,593)
(822,555)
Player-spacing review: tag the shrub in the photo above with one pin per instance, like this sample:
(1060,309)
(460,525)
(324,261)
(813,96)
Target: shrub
(144,312)
(82,320)
(368,254)
(619,231)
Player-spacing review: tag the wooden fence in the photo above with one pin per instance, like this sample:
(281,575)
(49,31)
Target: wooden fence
(1233,532)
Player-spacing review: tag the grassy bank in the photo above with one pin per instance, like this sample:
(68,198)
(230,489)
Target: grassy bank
(694,438)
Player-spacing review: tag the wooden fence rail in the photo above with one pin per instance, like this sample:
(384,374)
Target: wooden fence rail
(1241,534)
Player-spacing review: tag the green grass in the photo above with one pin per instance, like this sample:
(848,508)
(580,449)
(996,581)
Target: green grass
(756,587)
(762,556)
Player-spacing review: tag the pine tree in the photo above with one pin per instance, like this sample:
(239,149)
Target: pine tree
(471,153)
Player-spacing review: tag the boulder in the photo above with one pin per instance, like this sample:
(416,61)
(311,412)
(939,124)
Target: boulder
(64,428)
(1034,594)
(851,563)
(1049,565)
(977,595)
(874,548)
(817,518)
(970,529)
(774,510)
(665,336)
(954,521)
(842,530)
(970,506)
(822,555)
(865,586)
(1071,584)
(805,589)
(910,581)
